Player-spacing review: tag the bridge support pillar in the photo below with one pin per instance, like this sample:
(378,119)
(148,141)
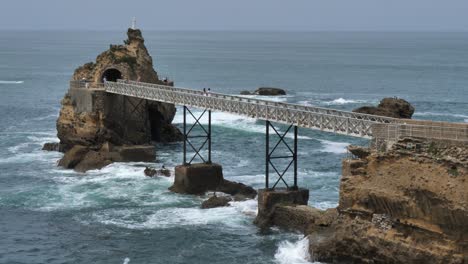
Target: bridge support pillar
(291,194)
(269,198)
(191,177)
(197,178)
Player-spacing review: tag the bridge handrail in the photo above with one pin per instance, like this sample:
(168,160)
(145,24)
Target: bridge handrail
(279,113)
(323,110)
(85,84)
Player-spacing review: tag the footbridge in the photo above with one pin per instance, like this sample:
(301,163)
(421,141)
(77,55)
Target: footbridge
(281,162)
(324,119)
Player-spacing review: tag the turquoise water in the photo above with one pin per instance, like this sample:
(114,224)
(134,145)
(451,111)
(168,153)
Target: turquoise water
(116,215)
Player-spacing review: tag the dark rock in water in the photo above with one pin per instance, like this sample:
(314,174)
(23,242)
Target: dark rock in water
(390,107)
(245,93)
(73,157)
(216,201)
(240,191)
(82,158)
(358,151)
(151,172)
(52,146)
(170,133)
(270,91)
(93,160)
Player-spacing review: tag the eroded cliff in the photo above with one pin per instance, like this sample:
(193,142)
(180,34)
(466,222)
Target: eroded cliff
(91,118)
(408,204)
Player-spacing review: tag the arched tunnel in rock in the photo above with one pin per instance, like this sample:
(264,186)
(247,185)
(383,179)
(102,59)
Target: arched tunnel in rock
(111,75)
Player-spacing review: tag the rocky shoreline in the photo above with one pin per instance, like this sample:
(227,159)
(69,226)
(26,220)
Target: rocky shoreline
(406,205)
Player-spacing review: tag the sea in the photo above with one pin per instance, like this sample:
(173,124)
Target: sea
(117,215)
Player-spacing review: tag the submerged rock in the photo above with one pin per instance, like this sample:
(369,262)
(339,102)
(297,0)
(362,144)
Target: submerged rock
(390,107)
(239,190)
(216,201)
(52,146)
(151,172)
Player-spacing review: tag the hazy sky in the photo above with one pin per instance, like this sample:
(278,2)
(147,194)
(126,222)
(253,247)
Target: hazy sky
(302,15)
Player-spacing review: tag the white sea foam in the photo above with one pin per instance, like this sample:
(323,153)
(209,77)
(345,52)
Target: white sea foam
(324,205)
(440,114)
(174,217)
(230,121)
(342,101)
(293,253)
(11,82)
(334,147)
(126,261)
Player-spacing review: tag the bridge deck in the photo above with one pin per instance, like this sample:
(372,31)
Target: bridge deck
(325,119)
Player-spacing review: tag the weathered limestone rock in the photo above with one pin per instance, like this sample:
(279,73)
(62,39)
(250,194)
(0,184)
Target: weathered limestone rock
(52,146)
(406,205)
(83,158)
(91,117)
(390,107)
(216,201)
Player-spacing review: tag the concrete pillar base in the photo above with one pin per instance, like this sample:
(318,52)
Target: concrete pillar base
(197,178)
(268,198)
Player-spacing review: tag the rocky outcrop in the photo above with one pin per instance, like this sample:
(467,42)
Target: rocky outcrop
(265,91)
(216,201)
(406,205)
(84,158)
(390,107)
(200,178)
(151,172)
(91,117)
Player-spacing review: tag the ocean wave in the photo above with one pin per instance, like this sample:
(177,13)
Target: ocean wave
(236,216)
(293,252)
(342,101)
(230,121)
(441,114)
(334,147)
(11,82)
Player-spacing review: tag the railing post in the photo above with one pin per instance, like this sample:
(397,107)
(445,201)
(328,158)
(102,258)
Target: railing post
(185,135)
(267,153)
(295,157)
(209,136)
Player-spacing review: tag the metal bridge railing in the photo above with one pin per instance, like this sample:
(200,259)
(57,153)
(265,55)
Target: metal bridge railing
(336,121)
(85,84)
(318,110)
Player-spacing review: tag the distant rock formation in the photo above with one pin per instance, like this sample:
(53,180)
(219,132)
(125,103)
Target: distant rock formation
(265,91)
(390,107)
(91,118)
(406,205)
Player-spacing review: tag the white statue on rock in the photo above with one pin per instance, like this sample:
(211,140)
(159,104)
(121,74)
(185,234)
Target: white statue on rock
(134,23)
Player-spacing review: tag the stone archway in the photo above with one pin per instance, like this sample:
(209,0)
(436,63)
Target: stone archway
(111,75)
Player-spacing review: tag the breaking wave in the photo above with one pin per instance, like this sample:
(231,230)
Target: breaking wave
(293,253)
(334,147)
(11,82)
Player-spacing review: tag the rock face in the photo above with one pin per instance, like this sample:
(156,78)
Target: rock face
(406,205)
(390,107)
(84,158)
(92,118)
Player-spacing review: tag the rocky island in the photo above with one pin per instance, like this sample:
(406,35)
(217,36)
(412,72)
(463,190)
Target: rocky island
(96,128)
